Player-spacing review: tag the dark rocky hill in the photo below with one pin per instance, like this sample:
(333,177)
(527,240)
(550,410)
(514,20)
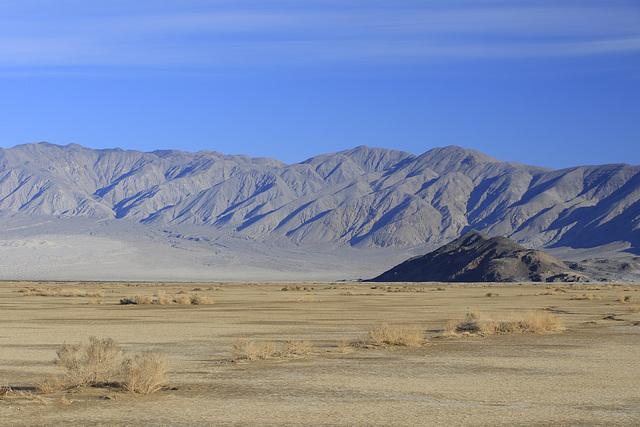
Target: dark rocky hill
(475,257)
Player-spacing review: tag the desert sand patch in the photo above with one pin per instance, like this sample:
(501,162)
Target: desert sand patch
(260,355)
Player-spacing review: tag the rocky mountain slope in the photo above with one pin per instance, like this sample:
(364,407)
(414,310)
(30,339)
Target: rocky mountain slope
(475,257)
(363,197)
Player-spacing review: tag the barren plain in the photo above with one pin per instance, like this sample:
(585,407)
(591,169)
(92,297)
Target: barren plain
(586,374)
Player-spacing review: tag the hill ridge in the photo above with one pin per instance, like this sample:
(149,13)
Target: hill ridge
(476,257)
(364,197)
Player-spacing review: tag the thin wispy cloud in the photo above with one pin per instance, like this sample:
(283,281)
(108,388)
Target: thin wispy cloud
(223,34)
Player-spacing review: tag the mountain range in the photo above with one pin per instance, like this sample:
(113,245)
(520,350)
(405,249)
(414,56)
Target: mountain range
(364,198)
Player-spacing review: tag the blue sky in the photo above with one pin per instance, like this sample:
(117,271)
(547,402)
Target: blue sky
(550,83)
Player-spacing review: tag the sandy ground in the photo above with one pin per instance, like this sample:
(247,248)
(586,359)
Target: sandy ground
(585,375)
(86,249)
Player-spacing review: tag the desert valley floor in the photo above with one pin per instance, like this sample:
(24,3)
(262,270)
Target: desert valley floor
(586,374)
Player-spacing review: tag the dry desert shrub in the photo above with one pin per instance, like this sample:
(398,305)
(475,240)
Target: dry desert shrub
(450,328)
(90,364)
(296,288)
(245,349)
(182,299)
(401,335)
(542,321)
(266,349)
(626,299)
(143,299)
(252,350)
(163,298)
(144,373)
(59,292)
(400,288)
(555,292)
(103,362)
(344,346)
(588,297)
(53,384)
(633,308)
(306,298)
(201,300)
(485,323)
(297,347)
(8,393)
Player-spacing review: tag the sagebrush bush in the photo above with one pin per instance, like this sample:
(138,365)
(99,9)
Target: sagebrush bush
(163,298)
(59,292)
(90,364)
(252,350)
(589,297)
(485,323)
(201,300)
(182,299)
(297,347)
(401,335)
(144,373)
(344,346)
(143,299)
(102,362)
(53,384)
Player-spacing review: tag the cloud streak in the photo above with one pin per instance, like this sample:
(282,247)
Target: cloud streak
(243,34)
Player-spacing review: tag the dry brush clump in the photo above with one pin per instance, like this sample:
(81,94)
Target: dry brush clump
(296,288)
(400,335)
(59,292)
(201,300)
(163,298)
(95,363)
(102,362)
(18,396)
(245,349)
(343,346)
(253,350)
(485,323)
(144,373)
(296,347)
(404,288)
(305,298)
(588,297)
(556,291)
